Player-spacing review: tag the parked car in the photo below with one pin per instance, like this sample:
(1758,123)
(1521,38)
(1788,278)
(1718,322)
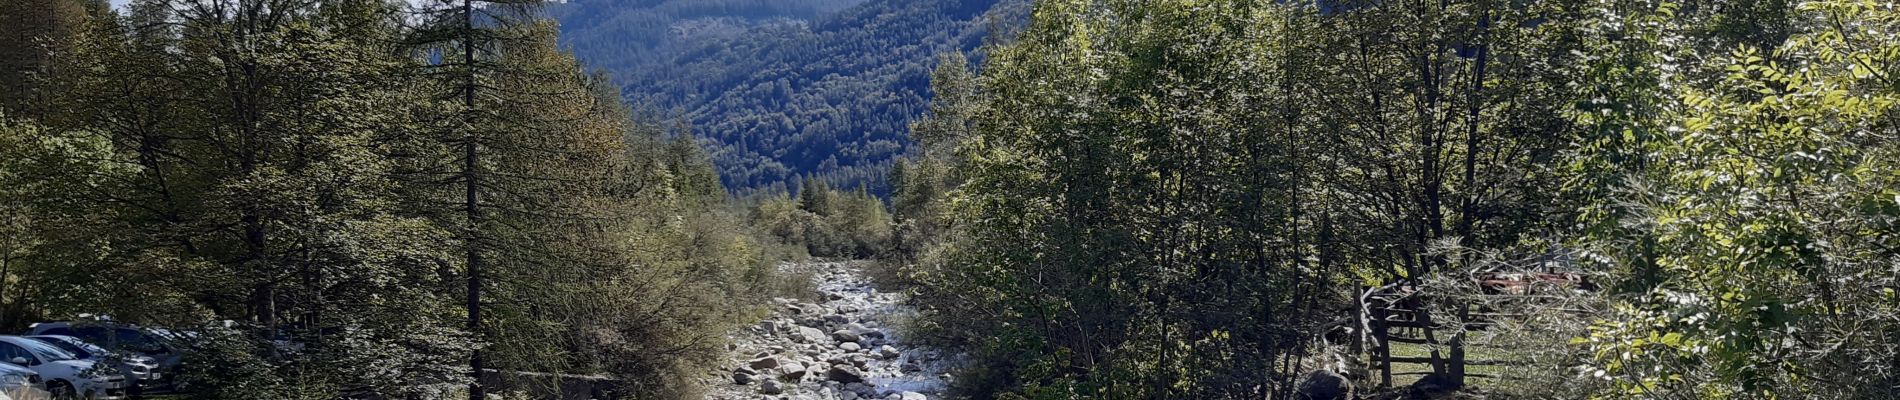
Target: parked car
(19,383)
(139,371)
(66,375)
(154,344)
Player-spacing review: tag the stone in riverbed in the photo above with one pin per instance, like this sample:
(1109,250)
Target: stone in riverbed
(887,352)
(793,372)
(766,362)
(741,377)
(845,335)
(839,359)
(844,374)
(770,387)
(808,334)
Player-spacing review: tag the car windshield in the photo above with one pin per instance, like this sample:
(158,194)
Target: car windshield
(69,347)
(120,339)
(138,341)
(45,351)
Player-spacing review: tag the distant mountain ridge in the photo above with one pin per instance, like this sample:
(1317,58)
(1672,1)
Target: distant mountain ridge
(780,90)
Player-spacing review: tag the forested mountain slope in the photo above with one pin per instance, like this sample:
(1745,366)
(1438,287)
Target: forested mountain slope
(621,35)
(779,90)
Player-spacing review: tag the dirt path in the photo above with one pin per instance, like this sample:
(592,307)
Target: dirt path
(844,348)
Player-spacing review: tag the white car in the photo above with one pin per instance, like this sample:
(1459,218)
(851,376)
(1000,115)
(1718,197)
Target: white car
(19,383)
(66,375)
(138,370)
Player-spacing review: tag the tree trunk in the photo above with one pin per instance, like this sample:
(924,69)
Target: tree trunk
(470,202)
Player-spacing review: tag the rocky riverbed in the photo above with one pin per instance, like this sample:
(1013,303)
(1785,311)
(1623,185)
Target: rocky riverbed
(845,347)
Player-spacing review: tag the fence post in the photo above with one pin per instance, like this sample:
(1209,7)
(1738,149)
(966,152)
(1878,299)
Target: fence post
(1384,354)
(1458,345)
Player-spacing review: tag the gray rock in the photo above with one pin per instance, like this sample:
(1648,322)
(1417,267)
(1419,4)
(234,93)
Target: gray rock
(808,334)
(766,362)
(849,346)
(910,367)
(793,372)
(770,387)
(845,335)
(838,360)
(907,395)
(887,352)
(741,377)
(844,374)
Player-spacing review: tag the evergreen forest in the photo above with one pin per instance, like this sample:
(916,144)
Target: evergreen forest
(950,199)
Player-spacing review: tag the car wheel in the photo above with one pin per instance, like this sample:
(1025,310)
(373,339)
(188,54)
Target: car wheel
(61,390)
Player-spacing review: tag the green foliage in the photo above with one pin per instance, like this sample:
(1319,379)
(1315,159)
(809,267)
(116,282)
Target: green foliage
(921,184)
(1139,199)
(826,223)
(36,31)
(1114,176)
(287,183)
(1769,206)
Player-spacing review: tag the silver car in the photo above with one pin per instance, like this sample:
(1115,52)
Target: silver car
(66,375)
(138,370)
